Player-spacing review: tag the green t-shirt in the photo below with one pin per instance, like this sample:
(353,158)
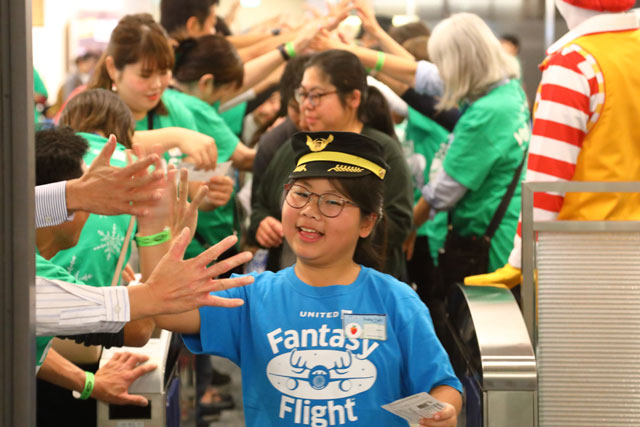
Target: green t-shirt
(425,137)
(48,270)
(234,117)
(178,116)
(38,88)
(38,84)
(489,142)
(93,260)
(208,122)
(213,226)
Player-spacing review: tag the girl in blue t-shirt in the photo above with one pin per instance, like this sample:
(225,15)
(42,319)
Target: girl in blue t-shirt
(328,340)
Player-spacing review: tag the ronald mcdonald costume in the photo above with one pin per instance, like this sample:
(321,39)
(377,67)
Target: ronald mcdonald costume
(585,119)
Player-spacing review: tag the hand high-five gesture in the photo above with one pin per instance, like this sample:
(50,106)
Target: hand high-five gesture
(109,190)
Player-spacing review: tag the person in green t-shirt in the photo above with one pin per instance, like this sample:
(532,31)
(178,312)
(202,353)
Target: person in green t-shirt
(59,157)
(423,141)
(489,141)
(59,154)
(139,73)
(95,114)
(202,78)
(103,247)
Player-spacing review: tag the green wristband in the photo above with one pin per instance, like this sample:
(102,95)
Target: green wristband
(89,382)
(291,51)
(154,239)
(380,61)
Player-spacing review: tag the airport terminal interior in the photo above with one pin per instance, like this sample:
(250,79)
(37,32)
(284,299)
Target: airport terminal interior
(320,213)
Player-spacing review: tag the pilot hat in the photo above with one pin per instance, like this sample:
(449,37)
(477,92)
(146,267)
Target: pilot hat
(603,5)
(337,155)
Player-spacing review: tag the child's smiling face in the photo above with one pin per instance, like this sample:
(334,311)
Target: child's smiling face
(317,239)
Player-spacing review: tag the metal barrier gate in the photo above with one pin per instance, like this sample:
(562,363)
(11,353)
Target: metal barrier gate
(493,357)
(586,323)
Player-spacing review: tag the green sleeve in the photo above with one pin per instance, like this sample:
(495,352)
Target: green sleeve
(38,84)
(214,126)
(49,270)
(471,155)
(234,117)
(181,116)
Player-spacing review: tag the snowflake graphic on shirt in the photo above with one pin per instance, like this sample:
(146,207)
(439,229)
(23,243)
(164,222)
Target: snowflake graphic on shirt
(111,242)
(72,265)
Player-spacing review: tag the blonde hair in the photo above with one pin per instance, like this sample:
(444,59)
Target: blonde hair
(469,58)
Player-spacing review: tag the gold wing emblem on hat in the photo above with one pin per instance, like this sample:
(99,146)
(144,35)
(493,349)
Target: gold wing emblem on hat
(318,144)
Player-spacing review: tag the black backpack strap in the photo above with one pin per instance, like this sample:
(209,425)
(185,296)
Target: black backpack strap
(504,203)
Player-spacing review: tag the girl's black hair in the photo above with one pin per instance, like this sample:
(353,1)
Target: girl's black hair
(345,71)
(368,193)
(378,112)
(210,54)
(289,82)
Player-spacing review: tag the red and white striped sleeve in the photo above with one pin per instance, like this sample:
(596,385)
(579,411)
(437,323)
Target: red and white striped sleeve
(567,105)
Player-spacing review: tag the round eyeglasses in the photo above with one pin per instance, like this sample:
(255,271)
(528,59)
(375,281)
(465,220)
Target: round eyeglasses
(314,98)
(329,204)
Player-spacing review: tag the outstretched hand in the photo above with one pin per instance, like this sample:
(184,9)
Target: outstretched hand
(323,40)
(109,190)
(337,13)
(367,15)
(112,381)
(185,213)
(177,285)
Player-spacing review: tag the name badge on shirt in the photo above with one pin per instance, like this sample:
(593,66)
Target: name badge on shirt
(365,326)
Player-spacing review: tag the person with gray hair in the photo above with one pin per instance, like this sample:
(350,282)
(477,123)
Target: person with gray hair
(476,179)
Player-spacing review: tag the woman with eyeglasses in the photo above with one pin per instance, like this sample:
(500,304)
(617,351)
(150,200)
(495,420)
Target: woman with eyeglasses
(334,96)
(329,340)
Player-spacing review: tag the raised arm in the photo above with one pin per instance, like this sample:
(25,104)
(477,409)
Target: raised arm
(175,286)
(200,148)
(398,67)
(109,190)
(371,26)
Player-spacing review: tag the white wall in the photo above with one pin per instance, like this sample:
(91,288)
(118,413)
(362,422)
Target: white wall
(49,41)
(249,16)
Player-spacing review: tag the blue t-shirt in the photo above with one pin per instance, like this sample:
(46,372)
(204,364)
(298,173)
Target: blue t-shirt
(299,366)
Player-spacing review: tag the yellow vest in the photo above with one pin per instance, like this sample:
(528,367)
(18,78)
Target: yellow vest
(611,147)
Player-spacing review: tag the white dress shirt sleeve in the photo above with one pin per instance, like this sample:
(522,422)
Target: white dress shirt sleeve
(427,79)
(51,204)
(68,309)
